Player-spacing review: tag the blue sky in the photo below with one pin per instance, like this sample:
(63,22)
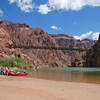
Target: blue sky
(78,18)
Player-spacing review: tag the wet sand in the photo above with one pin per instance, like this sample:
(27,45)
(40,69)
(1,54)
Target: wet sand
(21,88)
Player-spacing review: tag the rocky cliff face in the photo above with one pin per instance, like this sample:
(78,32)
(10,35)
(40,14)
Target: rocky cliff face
(22,34)
(7,50)
(5,44)
(74,57)
(93,56)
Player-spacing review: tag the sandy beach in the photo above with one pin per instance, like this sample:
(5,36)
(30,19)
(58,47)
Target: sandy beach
(20,88)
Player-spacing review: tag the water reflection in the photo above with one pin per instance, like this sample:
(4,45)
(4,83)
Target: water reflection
(88,75)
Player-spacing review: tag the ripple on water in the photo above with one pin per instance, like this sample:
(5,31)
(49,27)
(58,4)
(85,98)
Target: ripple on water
(88,75)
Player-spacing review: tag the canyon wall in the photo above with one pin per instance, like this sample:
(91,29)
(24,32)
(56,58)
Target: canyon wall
(21,34)
(93,55)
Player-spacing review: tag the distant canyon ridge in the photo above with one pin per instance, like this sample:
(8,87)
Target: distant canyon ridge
(12,34)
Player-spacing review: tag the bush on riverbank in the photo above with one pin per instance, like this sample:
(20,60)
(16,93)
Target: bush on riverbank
(14,62)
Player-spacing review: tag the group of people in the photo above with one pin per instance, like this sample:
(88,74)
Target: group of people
(4,71)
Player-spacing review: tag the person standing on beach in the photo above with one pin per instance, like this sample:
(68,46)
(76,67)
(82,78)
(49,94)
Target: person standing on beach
(7,70)
(2,71)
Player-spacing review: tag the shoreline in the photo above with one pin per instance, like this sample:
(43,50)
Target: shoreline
(64,80)
(14,88)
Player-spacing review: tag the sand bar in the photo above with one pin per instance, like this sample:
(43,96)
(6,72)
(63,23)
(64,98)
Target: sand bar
(19,88)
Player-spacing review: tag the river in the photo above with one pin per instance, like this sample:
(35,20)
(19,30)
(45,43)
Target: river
(86,75)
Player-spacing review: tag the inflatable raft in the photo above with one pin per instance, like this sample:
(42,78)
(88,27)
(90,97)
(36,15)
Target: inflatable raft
(17,74)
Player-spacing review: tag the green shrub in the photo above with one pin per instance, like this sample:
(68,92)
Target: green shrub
(80,65)
(14,62)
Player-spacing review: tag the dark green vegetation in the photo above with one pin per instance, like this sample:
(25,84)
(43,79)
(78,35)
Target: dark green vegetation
(14,62)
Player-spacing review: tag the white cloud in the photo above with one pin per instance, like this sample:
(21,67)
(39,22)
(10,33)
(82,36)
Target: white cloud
(24,5)
(95,35)
(12,1)
(70,4)
(29,5)
(44,9)
(55,27)
(66,4)
(1,13)
(77,37)
(83,36)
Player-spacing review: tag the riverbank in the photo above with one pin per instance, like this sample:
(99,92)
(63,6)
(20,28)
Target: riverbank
(21,88)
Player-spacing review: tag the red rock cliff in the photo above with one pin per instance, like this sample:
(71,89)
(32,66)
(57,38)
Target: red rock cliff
(22,34)
(93,56)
